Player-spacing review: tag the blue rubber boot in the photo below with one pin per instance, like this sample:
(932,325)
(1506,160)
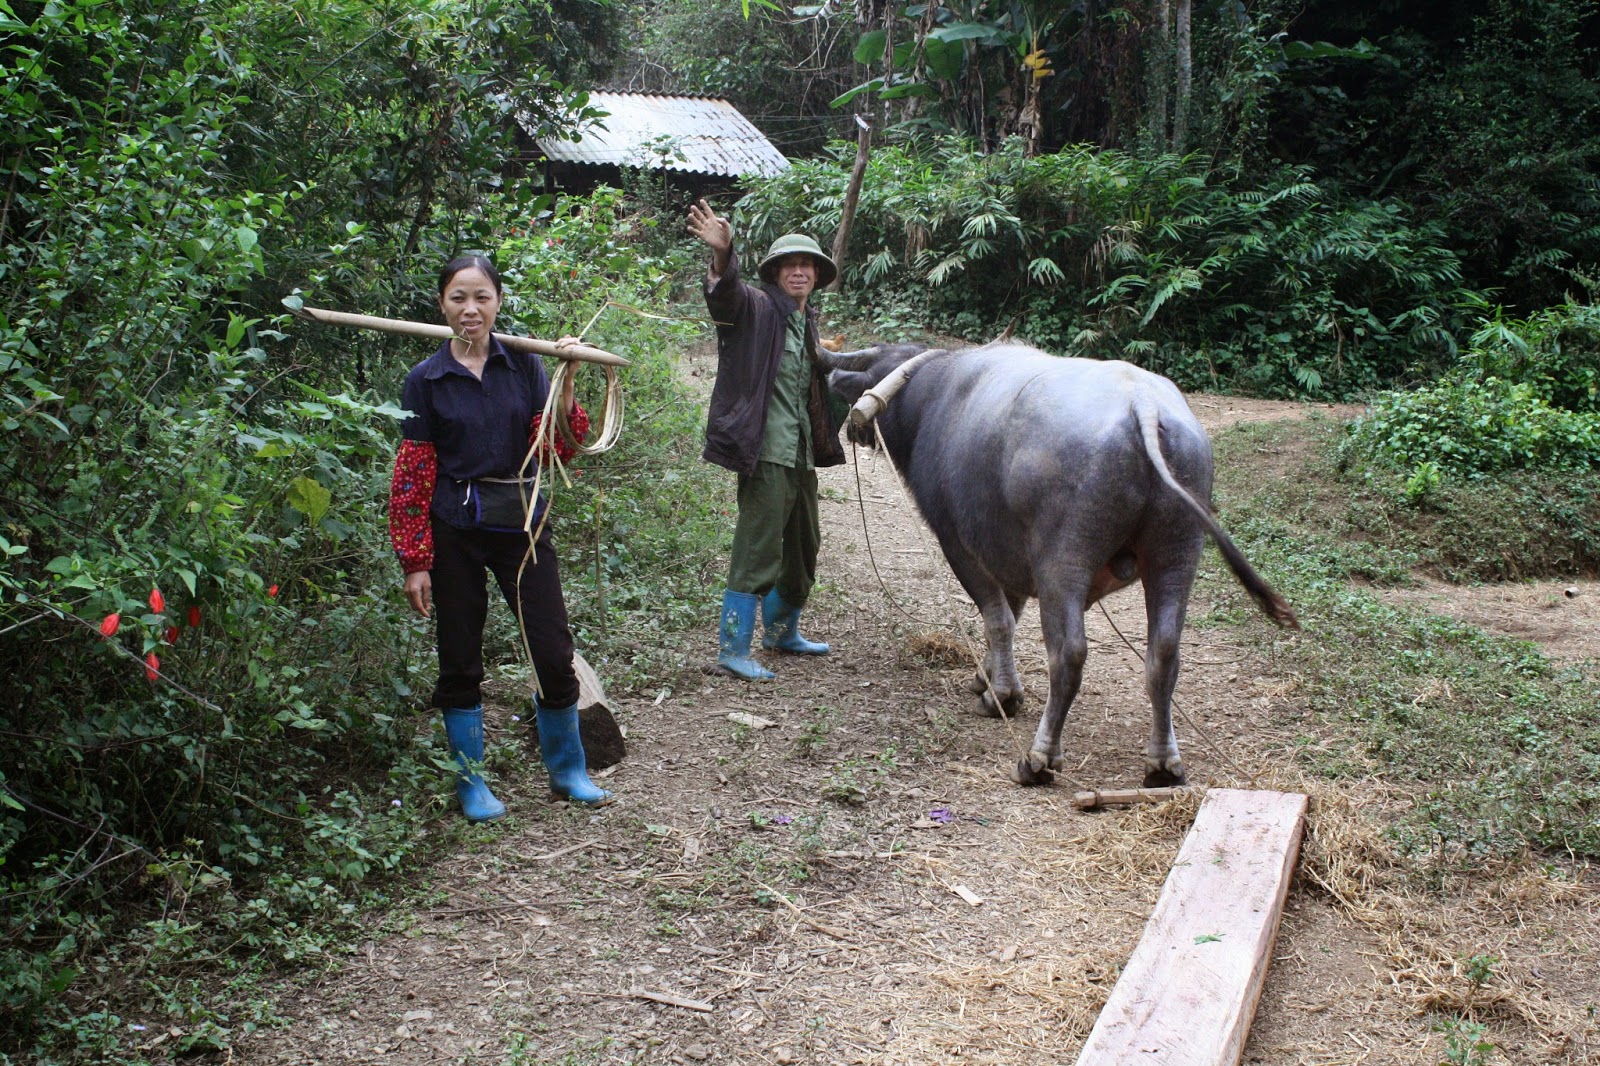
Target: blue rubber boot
(463,728)
(738,626)
(782,624)
(562,748)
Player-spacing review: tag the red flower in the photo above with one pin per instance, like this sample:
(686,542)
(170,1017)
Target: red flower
(152,666)
(158,602)
(172,634)
(194,617)
(273,591)
(109,624)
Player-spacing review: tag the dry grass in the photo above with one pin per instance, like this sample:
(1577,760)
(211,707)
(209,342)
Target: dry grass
(939,649)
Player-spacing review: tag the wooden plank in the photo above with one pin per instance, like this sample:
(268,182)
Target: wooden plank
(1189,991)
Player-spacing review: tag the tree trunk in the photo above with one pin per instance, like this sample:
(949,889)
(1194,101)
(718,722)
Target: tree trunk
(911,106)
(1180,110)
(1160,71)
(852,195)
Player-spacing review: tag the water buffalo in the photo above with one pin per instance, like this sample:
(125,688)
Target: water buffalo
(1064,480)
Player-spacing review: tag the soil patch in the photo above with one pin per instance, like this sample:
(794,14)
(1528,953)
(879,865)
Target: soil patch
(1561,617)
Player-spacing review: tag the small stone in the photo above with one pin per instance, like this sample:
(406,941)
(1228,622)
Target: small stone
(697,1052)
(785,1055)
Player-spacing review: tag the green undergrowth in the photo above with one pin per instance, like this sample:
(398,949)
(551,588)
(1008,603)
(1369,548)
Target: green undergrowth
(1499,743)
(177,831)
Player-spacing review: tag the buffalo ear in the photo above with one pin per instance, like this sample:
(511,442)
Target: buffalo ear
(848,385)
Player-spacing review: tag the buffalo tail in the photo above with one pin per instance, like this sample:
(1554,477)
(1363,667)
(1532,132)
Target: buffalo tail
(1274,605)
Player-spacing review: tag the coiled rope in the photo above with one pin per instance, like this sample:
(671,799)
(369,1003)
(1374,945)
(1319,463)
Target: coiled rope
(556,419)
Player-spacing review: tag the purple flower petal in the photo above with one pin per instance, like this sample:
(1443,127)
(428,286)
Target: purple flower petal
(942,815)
(781,819)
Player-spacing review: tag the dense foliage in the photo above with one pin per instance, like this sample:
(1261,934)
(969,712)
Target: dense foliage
(1485,115)
(1479,116)
(780,71)
(1276,287)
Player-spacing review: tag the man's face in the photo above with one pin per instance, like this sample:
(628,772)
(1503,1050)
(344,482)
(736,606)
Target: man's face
(797,275)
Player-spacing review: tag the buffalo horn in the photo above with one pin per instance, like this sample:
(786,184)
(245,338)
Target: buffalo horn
(857,360)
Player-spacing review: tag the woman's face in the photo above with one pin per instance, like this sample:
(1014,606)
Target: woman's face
(469,303)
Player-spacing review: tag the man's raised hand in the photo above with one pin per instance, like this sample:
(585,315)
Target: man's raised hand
(711,228)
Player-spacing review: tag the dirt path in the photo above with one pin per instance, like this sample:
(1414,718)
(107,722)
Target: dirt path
(787,893)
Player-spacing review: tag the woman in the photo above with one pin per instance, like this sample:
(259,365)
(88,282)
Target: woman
(455,509)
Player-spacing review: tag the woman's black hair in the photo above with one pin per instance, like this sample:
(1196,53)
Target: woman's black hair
(468,262)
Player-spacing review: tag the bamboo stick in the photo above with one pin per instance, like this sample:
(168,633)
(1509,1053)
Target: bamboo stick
(1117,796)
(584,353)
(874,400)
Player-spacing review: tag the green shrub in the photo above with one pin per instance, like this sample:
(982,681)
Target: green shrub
(1523,397)
(1556,351)
(1473,427)
(224,780)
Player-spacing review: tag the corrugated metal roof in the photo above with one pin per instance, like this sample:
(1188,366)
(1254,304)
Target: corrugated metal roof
(653,131)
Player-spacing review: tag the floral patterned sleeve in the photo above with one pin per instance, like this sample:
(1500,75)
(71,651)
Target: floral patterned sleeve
(579,421)
(416,470)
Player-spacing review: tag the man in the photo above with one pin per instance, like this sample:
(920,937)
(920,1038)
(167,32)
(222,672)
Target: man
(770,423)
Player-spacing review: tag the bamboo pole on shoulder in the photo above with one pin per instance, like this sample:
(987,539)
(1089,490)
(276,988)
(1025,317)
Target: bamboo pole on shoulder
(582,353)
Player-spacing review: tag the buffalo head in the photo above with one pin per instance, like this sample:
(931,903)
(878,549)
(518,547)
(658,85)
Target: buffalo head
(852,373)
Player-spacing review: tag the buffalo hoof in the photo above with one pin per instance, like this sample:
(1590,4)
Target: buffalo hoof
(985,706)
(1165,776)
(1033,769)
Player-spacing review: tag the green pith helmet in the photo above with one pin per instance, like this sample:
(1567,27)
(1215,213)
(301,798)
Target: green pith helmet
(797,244)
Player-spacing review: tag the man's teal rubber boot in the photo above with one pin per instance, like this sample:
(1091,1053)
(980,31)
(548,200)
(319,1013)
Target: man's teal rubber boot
(737,628)
(463,728)
(562,747)
(782,625)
